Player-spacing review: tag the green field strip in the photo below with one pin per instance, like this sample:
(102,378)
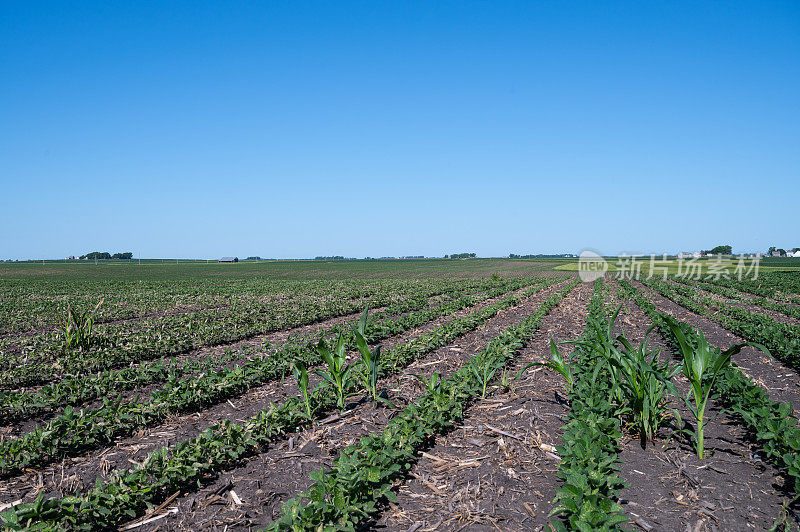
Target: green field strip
(587,498)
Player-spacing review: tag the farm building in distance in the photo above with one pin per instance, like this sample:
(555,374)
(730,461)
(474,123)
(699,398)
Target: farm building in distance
(229,259)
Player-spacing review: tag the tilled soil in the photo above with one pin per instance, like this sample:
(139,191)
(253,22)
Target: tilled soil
(80,473)
(209,351)
(13,349)
(497,470)
(263,483)
(782,299)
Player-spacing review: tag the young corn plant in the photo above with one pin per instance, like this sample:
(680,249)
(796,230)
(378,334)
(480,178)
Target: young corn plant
(77,327)
(301,375)
(643,386)
(557,363)
(338,372)
(702,365)
(484,370)
(604,345)
(507,381)
(370,360)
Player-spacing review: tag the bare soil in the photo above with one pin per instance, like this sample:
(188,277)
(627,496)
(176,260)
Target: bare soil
(497,470)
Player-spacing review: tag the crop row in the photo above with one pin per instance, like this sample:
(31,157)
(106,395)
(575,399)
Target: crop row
(788,310)
(32,305)
(242,314)
(781,339)
(128,493)
(771,423)
(178,334)
(587,498)
(38,305)
(362,476)
(75,390)
(73,432)
(775,285)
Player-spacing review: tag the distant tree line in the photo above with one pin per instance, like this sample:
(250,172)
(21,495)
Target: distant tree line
(460,256)
(719,250)
(104,255)
(334,257)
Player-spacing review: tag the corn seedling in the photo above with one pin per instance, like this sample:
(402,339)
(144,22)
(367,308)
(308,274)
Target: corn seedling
(338,371)
(301,375)
(484,370)
(77,327)
(370,360)
(507,381)
(557,363)
(643,386)
(702,366)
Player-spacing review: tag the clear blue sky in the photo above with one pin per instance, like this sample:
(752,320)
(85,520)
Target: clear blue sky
(295,129)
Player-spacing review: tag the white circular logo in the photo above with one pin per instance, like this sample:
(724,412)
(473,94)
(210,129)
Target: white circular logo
(591,266)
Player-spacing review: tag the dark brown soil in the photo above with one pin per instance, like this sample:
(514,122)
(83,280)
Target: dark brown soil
(170,311)
(247,349)
(782,299)
(496,470)
(483,479)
